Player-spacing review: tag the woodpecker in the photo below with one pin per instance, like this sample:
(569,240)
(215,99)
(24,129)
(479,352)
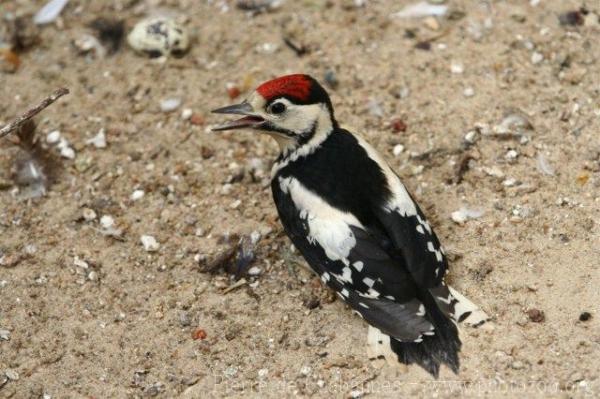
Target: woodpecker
(357,226)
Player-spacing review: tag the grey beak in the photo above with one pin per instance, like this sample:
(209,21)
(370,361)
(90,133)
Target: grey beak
(251,120)
(240,109)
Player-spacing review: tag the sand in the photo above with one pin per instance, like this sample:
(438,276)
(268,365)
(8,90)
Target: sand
(90,315)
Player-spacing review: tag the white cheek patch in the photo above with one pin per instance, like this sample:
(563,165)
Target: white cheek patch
(328,227)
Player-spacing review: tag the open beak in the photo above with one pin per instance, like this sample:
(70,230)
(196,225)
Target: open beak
(250,119)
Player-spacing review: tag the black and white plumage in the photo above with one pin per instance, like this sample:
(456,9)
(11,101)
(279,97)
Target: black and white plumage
(357,226)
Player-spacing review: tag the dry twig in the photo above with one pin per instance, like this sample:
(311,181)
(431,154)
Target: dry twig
(23,118)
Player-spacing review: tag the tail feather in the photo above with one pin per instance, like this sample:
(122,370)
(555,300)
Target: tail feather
(441,347)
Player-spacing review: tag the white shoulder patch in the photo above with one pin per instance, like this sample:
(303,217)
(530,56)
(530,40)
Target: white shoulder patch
(327,226)
(400,201)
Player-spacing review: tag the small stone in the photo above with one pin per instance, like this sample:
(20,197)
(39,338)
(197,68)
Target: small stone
(170,104)
(92,276)
(457,68)
(511,155)
(235,204)
(469,92)
(149,242)
(517,365)
(254,271)
(67,152)
(398,125)
(11,374)
(88,214)
(186,114)
(80,263)
(398,149)
(4,335)
(107,221)
(536,315)
(53,137)
(137,194)
(159,36)
(585,316)
(99,140)
(262,373)
(184,319)
(537,57)
(305,371)
(471,136)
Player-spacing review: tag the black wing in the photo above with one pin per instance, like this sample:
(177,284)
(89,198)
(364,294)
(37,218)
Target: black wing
(369,279)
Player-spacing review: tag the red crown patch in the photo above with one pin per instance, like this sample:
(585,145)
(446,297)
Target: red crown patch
(297,86)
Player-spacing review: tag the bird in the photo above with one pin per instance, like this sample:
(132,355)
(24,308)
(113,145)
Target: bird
(357,226)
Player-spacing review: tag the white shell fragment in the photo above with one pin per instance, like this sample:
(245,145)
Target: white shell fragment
(53,137)
(421,9)
(137,194)
(170,104)
(464,214)
(159,36)
(49,12)
(544,166)
(150,244)
(99,140)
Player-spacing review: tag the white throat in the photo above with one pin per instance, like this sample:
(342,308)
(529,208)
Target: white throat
(291,151)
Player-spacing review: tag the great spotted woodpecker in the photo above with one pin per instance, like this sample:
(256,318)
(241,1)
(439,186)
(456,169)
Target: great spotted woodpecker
(357,226)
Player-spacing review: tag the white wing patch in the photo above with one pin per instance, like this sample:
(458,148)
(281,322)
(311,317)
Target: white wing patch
(400,201)
(327,226)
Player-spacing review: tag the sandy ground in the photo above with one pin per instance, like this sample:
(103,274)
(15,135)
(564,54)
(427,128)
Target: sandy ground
(84,314)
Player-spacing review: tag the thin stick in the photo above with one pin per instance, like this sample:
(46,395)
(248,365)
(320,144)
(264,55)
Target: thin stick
(17,123)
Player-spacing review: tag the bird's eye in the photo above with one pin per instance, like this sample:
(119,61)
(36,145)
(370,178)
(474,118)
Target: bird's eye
(277,108)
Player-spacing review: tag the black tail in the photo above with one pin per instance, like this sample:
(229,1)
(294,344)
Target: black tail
(442,347)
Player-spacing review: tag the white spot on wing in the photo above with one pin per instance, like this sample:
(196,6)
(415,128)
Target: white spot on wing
(363,305)
(358,265)
(420,229)
(347,274)
(368,281)
(325,277)
(421,311)
(345,293)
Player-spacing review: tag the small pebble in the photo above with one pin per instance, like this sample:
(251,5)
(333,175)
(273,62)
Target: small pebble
(585,316)
(398,125)
(262,373)
(457,68)
(469,92)
(254,271)
(517,365)
(398,149)
(536,315)
(137,194)
(11,374)
(53,137)
(99,140)
(471,136)
(89,214)
(159,36)
(537,57)
(511,155)
(107,221)
(170,104)
(5,334)
(186,114)
(150,244)
(305,370)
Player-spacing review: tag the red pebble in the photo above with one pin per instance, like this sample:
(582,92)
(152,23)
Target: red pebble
(398,125)
(196,120)
(198,334)
(233,92)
